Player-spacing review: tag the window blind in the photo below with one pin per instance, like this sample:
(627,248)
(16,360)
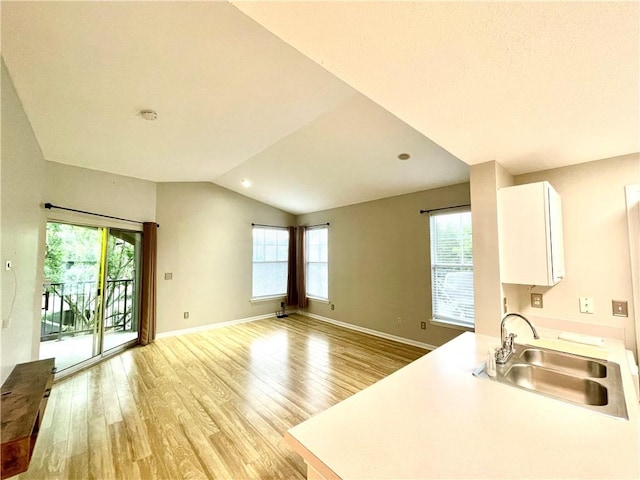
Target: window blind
(270,257)
(317,260)
(452,267)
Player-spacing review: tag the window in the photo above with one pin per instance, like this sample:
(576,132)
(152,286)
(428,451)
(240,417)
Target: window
(452,267)
(270,254)
(317,262)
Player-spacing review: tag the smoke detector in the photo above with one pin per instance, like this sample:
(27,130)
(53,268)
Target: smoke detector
(150,115)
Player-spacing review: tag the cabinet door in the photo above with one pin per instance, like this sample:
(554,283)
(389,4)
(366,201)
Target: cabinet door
(556,236)
(527,227)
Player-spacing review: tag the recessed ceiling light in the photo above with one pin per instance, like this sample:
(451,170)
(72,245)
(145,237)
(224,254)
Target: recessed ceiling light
(149,114)
(404,156)
(245,183)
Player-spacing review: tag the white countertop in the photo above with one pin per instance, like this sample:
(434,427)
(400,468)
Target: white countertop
(434,419)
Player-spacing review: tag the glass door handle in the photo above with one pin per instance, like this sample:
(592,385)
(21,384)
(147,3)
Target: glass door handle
(46,301)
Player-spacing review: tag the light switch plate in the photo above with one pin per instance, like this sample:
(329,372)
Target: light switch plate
(620,308)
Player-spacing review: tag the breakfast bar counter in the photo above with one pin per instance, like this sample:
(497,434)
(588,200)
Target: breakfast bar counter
(434,419)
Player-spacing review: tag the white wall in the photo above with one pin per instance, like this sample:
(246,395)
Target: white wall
(98,192)
(28,181)
(486,178)
(205,240)
(379,263)
(596,248)
(596,243)
(22,230)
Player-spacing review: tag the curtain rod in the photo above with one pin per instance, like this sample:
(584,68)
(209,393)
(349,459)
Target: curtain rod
(51,205)
(278,226)
(268,226)
(443,208)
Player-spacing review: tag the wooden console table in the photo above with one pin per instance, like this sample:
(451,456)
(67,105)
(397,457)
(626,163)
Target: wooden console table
(24,399)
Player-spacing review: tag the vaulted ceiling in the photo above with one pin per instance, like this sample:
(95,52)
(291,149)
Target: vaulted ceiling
(532,85)
(312,102)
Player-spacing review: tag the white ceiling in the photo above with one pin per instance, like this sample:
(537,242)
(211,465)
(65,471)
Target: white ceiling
(234,102)
(532,85)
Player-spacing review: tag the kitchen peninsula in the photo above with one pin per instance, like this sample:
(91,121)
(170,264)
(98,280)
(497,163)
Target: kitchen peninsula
(434,419)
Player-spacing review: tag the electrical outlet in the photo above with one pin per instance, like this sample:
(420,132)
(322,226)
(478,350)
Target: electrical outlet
(168,276)
(399,320)
(536,300)
(333,307)
(423,325)
(587,305)
(620,308)
(186,315)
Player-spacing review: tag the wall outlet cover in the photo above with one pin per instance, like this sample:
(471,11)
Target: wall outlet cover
(536,300)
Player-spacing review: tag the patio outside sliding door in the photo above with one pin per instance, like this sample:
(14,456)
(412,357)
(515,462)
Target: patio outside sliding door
(122,288)
(91,292)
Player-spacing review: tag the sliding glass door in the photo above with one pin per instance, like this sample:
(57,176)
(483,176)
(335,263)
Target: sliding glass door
(122,288)
(91,293)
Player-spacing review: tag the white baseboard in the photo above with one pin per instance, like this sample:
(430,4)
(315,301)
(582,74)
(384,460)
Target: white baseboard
(357,328)
(375,333)
(210,326)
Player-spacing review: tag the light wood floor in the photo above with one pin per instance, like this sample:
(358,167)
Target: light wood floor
(207,405)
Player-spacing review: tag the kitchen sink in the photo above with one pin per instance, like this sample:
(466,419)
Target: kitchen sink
(550,382)
(572,364)
(587,382)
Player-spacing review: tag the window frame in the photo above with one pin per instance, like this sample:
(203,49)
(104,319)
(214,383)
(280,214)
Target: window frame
(451,321)
(307,262)
(269,296)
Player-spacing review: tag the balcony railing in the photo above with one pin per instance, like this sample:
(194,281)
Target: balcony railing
(69,308)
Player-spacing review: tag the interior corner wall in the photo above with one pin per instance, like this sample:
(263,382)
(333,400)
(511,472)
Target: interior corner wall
(205,241)
(486,178)
(596,244)
(23,178)
(379,264)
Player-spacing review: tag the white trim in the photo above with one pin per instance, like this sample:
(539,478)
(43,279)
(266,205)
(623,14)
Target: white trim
(319,300)
(451,324)
(211,326)
(270,298)
(369,331)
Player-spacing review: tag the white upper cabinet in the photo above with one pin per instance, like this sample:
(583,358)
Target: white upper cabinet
(530,235)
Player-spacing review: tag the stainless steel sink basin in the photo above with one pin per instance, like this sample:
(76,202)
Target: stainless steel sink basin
(550,382)
(572,364)
(583,381)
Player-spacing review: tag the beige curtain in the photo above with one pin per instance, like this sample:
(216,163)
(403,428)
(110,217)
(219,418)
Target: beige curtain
(147,331)
(292,275)
(302,269)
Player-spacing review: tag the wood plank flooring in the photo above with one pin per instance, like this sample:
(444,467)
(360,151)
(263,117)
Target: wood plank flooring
(208,405)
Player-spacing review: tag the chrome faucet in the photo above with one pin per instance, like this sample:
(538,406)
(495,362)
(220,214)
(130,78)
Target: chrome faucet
(503,353)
